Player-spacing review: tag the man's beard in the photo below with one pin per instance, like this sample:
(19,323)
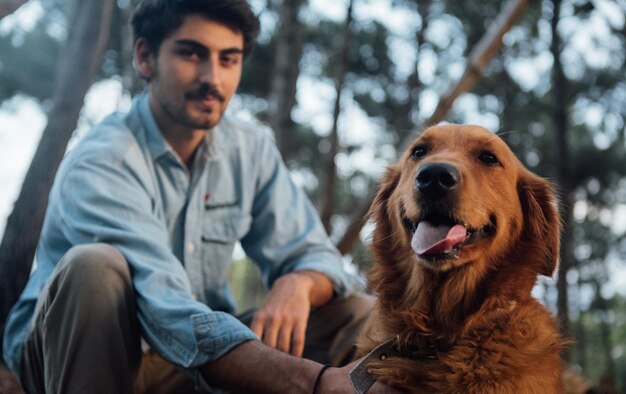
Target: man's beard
(178,111)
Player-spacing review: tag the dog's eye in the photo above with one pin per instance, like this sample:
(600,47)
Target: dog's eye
(419,152)
(488,158)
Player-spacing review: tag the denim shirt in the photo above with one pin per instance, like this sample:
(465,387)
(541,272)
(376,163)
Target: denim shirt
(124,185)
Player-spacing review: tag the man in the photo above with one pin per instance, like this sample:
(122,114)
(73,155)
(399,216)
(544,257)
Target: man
(140,229)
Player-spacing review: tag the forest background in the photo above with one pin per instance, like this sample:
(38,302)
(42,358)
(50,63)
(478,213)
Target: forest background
(345,84)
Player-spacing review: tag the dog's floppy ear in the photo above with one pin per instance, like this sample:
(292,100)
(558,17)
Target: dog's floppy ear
(388,184)
(542,222)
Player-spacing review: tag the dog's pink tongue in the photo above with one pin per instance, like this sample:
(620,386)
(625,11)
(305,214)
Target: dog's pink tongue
(429,239)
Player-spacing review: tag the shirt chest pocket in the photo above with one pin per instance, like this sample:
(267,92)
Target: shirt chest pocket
(225,229)
(219,235)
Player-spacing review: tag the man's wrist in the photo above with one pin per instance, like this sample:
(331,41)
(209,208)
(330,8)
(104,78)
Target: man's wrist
(318,379)
(318,285)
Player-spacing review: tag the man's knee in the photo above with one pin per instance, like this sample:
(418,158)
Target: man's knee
(359,304)
(94,264)
(354,308)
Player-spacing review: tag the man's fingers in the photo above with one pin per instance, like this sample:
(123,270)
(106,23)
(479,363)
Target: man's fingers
(298,338)
(257,327)
(284,335)
(268,331)
(284,338)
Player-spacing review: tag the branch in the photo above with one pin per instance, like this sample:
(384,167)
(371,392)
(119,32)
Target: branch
(478,60)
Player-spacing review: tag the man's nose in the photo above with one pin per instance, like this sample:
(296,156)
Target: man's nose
(210,72)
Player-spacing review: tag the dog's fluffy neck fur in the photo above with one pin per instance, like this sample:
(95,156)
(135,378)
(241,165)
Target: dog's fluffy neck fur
(441,304)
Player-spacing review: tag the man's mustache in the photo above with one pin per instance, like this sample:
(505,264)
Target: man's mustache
(204,91)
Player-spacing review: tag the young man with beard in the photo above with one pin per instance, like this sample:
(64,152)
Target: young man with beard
(140,228)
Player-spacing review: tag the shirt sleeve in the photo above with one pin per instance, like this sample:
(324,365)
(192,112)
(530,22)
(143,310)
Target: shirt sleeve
(108,201)
(286,233)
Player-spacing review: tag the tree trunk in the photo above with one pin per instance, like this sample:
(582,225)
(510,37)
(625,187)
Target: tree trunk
(563,174)
(402,121)
(478,60)
(78,63)
(580,337)
(8,7)
(605,332)
(282,96)
(330,187)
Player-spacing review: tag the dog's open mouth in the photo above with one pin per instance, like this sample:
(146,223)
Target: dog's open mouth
(436,237)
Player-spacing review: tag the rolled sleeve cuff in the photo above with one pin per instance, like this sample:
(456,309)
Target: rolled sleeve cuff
(217,333)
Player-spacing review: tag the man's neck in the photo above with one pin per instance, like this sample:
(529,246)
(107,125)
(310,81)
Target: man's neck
(184,142)
(183,139)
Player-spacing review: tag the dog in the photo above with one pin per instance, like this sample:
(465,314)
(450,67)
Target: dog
(462,231)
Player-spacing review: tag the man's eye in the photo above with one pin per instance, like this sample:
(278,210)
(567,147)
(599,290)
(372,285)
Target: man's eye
(230,60)
(188,53)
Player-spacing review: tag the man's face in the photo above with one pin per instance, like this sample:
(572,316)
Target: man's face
(195,74)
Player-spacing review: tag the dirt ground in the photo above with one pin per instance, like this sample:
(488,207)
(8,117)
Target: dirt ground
(8,383)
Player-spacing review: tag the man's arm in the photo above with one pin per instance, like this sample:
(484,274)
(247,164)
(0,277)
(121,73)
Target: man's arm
(281,322)
(254,367)
(289,244)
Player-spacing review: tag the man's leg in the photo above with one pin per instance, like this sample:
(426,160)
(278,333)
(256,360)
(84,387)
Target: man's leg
(158,376)
(333,329)
(85,337)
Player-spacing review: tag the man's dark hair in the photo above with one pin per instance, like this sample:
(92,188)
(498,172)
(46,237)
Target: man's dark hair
(155,20)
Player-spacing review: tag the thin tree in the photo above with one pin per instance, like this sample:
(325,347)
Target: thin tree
(563,170)
(282,95)
(78,63)
(478,60)
(603,310)
(330,187)
(402,121)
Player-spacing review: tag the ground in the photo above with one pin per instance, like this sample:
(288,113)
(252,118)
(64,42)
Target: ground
(8,383)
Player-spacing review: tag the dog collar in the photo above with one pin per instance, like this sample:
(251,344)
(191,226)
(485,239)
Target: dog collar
(362,380)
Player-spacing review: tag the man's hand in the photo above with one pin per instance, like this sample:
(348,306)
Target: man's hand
(282,320)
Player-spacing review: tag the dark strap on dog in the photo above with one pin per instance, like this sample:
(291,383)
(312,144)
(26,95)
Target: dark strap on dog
(362,380)
(359,377)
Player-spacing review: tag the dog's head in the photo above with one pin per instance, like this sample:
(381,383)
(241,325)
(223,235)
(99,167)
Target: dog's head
(459,196)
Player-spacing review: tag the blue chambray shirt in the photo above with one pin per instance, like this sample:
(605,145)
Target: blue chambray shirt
(125,186)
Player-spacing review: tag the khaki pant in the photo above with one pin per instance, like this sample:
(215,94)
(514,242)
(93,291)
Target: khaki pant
(86,335)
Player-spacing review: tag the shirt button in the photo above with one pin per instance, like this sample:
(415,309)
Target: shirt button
(191,247)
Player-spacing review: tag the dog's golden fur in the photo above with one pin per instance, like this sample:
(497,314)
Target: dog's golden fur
(490,334)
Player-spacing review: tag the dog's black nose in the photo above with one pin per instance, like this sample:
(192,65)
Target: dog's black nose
(436,179)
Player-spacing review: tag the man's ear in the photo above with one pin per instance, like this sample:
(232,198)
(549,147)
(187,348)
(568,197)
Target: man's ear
(144,60)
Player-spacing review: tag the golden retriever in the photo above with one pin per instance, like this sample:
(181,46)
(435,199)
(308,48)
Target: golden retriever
(462,230)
